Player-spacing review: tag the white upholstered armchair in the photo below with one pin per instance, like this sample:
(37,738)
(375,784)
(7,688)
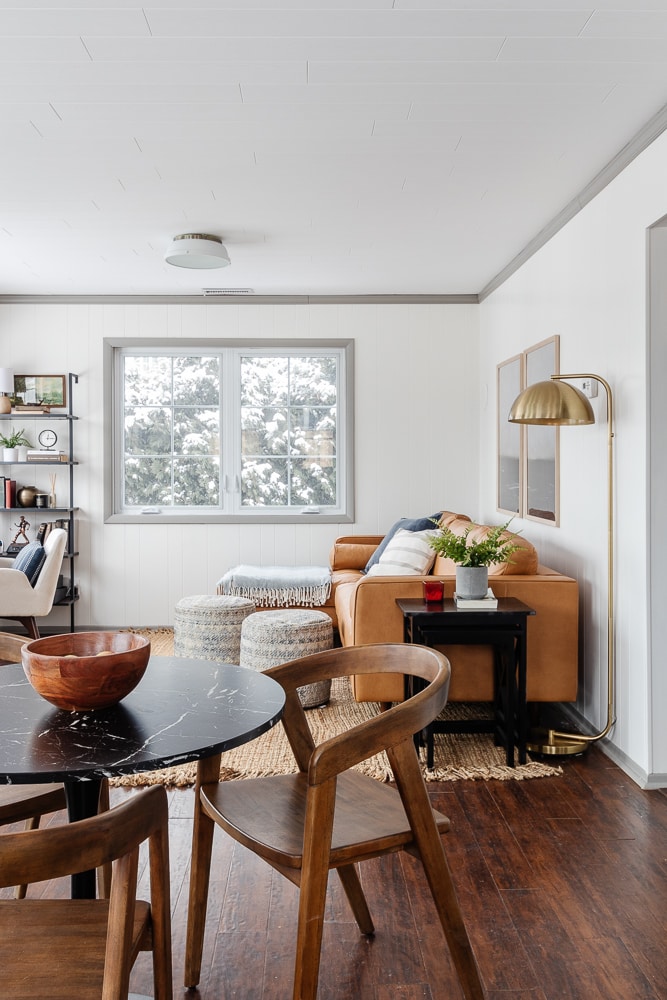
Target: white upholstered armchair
(19,600)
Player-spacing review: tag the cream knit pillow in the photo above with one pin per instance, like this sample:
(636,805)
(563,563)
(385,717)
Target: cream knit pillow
(407,554)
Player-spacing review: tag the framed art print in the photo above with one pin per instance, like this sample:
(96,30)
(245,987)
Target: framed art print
(509,479)
(48,390)
(541,481)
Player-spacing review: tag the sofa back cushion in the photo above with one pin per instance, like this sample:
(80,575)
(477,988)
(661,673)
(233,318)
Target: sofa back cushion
(523,562)
(352,552)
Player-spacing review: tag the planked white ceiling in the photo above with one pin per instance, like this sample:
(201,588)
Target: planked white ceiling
(339,147)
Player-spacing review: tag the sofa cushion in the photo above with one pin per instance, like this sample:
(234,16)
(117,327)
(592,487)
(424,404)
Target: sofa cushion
(30,560)
(353,552)
(408,553)
(404,524)
(523,562)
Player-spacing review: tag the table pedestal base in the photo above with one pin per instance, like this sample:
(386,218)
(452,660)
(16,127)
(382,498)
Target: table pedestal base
(83,799)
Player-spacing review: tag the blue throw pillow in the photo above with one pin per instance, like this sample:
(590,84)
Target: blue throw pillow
(405,524)
(30,561)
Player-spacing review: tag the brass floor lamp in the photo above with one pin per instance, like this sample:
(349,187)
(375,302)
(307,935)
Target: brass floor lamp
(556,403)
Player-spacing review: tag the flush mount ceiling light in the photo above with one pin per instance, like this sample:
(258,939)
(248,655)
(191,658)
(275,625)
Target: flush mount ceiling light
(198,250)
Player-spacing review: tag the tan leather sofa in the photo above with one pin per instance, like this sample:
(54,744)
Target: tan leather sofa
(366,612)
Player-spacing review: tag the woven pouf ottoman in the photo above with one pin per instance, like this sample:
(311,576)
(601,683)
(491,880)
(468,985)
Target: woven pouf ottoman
(208,627)
(272,637)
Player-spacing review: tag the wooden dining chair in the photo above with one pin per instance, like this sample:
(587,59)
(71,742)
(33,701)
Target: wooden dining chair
(330,816)
(19,803)
(25,802)
(64,948)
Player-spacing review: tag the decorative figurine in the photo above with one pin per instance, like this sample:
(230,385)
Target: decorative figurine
(22,525)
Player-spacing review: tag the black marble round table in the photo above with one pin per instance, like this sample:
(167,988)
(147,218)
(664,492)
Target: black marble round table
(182,710)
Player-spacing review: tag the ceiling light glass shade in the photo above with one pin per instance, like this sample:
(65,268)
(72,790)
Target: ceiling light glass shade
(197,250)
(551,402)
(7,380)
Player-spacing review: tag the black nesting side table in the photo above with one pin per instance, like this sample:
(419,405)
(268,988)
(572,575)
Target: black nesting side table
(504,628)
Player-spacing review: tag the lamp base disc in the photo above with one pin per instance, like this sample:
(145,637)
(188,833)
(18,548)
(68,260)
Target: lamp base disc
(546,741)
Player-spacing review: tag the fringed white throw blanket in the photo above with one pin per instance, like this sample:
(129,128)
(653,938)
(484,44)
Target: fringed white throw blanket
(278,586)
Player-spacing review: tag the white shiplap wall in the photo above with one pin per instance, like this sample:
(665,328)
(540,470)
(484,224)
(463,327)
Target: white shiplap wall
(416,432)
(589,285)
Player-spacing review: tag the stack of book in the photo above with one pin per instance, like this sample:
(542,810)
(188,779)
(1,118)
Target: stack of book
(46,455)
(488,603)
(45,528)
(7,492)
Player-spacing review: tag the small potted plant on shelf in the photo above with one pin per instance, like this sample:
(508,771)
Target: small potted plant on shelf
(473,558)
(11,444)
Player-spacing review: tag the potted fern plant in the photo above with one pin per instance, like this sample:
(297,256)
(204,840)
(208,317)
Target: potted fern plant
(473,558)
(11,443)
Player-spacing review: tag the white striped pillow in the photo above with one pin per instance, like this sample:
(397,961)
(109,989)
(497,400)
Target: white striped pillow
(407,554)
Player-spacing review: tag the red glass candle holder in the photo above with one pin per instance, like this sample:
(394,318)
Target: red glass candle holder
(434,590)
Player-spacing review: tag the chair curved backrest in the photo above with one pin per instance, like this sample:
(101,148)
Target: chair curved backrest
(20,601)
(27,803)
(63,947)
(329,815)
(11,646)
(47,581)
(369,738)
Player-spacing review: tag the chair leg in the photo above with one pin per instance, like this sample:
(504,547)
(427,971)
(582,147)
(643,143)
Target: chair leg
(415,799)
(163,986)
(313,891)
(104,873)
(30,824)
(30,625)
(356,898)
(200,869)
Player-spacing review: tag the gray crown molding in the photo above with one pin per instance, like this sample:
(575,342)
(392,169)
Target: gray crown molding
(199,300)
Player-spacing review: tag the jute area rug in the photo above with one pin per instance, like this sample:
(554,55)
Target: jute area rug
(471,756)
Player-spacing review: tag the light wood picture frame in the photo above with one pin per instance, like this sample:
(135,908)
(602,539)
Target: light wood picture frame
(541,443)
(510,450)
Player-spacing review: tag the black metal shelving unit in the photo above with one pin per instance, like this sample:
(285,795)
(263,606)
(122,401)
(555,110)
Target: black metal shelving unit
(66,512)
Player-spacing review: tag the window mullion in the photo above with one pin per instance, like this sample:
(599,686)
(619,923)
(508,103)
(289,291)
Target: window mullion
(231,430)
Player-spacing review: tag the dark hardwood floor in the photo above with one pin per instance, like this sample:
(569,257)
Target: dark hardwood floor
(562,882)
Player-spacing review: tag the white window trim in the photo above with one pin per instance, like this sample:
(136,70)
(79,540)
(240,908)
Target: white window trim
(345,433)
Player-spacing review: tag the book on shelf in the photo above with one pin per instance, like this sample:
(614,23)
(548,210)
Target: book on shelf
(37,455)
(31,408)
(3,502)
(10,492)
(488,603)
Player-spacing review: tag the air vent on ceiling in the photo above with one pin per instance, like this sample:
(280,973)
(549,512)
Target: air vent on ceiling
(228,291)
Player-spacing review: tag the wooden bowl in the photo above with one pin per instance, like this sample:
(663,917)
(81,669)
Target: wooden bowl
(80,671)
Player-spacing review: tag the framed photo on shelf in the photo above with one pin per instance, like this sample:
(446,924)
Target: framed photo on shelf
(40,390)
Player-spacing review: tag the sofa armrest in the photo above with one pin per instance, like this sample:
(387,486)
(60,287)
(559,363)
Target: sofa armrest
(369,610)
(353,551)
